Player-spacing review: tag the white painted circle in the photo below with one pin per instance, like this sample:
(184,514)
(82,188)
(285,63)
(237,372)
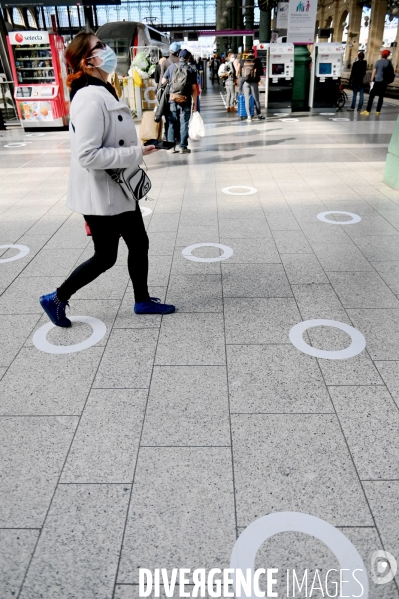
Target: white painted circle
(187,252)
(289,120)
(23,251)
(146,211)
(251,190)
(327,113)
(35,134)
(40,337)
(339,119)
(356,347)
(251,539)
(281,114)
(355,218)
(15,144)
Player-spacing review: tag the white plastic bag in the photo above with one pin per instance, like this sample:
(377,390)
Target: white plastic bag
(196,128)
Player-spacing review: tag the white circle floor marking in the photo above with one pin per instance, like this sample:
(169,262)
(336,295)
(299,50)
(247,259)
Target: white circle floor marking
(23,251)
(146,211)
(339,119)
(35,134)
(289,120)
(250,540)
(251,191)
(356,347)
(40,337)
(281,114)
(355,218)
(17,144)
(187,252)
(327,113)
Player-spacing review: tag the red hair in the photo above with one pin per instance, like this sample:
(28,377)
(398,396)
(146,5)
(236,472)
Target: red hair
(75,54)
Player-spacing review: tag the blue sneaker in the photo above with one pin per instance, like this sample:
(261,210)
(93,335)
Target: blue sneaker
(55,309)
(153,306)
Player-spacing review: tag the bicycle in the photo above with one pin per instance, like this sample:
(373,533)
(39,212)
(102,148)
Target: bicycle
(342,97)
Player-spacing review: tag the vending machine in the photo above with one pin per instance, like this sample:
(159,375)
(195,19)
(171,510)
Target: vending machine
(325,77)
(280,77)
(39,72)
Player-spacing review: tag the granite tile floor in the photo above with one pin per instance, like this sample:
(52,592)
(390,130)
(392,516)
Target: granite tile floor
(157,446)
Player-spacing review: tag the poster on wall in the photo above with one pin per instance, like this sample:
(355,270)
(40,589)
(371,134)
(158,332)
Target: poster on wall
(36,111)
(282,15)
(301,21)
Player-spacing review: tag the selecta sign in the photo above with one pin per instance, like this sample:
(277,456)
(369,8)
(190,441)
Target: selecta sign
(28,38)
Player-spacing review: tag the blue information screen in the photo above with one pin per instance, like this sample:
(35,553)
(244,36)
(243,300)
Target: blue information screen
(325,68)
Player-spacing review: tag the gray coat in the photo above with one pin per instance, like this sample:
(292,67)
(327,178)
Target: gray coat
(103,136)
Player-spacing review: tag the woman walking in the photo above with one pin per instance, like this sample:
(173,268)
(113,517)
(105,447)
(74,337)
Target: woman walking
(103,136)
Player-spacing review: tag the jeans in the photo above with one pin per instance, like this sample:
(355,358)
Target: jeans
(230,93)
(105,231)
(251,89)
(361,97)
(179,115)
(379,88)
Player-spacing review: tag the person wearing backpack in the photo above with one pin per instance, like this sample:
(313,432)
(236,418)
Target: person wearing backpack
(356,80)
(182,81)
(383,74)
(228,74)
(251,70)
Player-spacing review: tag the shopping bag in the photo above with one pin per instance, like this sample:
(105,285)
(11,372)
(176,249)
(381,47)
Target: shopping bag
(149,129)
(196,128)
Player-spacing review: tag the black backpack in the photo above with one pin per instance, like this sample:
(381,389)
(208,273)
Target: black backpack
(248,71)
(179,79)
(389,74)
(216,64)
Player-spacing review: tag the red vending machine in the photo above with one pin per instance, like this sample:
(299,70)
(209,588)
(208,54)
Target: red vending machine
(39,71)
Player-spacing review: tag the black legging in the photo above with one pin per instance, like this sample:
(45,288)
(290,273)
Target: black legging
(105,232)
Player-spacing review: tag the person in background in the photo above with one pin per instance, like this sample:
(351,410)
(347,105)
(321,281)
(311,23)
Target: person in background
(174,50)
(180,112)
(237,63)
(228,74)
(380,84)
(214,66)
(163,64)
(251,70)
(194,66)
(237,66)
(103,136)
(358,72)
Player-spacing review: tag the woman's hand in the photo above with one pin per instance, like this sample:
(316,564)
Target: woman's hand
(149,150)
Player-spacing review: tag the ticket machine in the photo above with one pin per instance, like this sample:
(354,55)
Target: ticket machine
(326,76)
(280,77)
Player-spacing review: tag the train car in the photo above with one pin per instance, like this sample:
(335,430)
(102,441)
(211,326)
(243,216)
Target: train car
(122,35)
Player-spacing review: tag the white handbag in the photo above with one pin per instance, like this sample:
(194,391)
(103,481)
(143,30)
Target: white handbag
(133,181)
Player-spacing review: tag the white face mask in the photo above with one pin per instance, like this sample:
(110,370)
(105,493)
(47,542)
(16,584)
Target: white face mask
(232,59)
(109,60)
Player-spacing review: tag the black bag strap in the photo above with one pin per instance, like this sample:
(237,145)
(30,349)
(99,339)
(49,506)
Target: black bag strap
(114,174)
